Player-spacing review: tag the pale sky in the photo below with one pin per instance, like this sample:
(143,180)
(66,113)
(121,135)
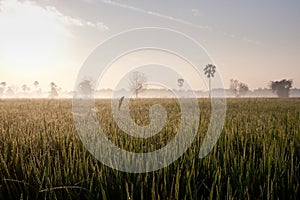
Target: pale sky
(49,40)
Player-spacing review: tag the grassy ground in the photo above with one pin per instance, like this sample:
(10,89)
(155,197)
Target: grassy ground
(257,156)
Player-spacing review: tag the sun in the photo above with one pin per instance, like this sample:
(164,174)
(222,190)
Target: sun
(31,38)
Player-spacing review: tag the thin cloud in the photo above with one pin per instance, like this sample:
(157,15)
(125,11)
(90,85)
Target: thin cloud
(15,8)
(195,12)
(252,41)
(245,39)
(156,14)
(68,20)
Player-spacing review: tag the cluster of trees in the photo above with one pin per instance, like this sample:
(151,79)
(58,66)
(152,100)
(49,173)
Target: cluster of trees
(138,79)
(4,89)
(10,91)
(282,88)
(239,89)
(137,82)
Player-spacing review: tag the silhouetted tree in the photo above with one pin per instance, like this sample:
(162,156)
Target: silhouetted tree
(136,82)
(180,82)
(53,92)
(36,84)
(243,89)
(2,88)
(38,90)
(282,88)
(25,89)
(209,71)
(238,88)
(234,84)
(3,84)
(85,88)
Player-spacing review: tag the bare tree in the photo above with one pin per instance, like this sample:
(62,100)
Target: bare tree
(238,88)
(136,82)
(209,71)
(282,88)
(234,84)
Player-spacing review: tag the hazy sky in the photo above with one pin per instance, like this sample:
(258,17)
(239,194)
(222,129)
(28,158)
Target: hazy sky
(48,40)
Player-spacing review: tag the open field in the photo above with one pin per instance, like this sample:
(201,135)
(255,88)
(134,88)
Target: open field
(257,156)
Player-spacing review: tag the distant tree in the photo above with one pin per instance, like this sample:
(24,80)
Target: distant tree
(25,89)
(36,84)
(234,84)
(282,88)
(85,88)
(243,89)
(209,71)
(2,88)
(53,92)
(180,82)
(38,90)
(10,92)
(238,88)
(136,82)
(3,84)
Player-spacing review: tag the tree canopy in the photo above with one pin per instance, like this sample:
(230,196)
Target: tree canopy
(282,88)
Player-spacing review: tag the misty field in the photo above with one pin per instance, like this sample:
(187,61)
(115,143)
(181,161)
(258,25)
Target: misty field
(256,157)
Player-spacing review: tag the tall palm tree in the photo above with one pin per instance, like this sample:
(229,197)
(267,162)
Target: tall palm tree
(180,82)
(3,84)
(209,71)
(36,84)
(53,92)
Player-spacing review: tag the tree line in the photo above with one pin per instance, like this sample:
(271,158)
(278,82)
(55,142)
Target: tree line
(280,88)
(10,91)
(136,84)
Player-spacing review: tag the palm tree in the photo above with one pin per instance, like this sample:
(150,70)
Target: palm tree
(25,89)
(209,71)
(36,84)
(38,90)
(180,82)
(53,92)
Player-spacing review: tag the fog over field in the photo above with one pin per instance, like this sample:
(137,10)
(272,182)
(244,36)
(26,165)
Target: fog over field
(139,99)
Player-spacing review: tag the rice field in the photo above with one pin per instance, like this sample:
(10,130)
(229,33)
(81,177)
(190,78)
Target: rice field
(256,157)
